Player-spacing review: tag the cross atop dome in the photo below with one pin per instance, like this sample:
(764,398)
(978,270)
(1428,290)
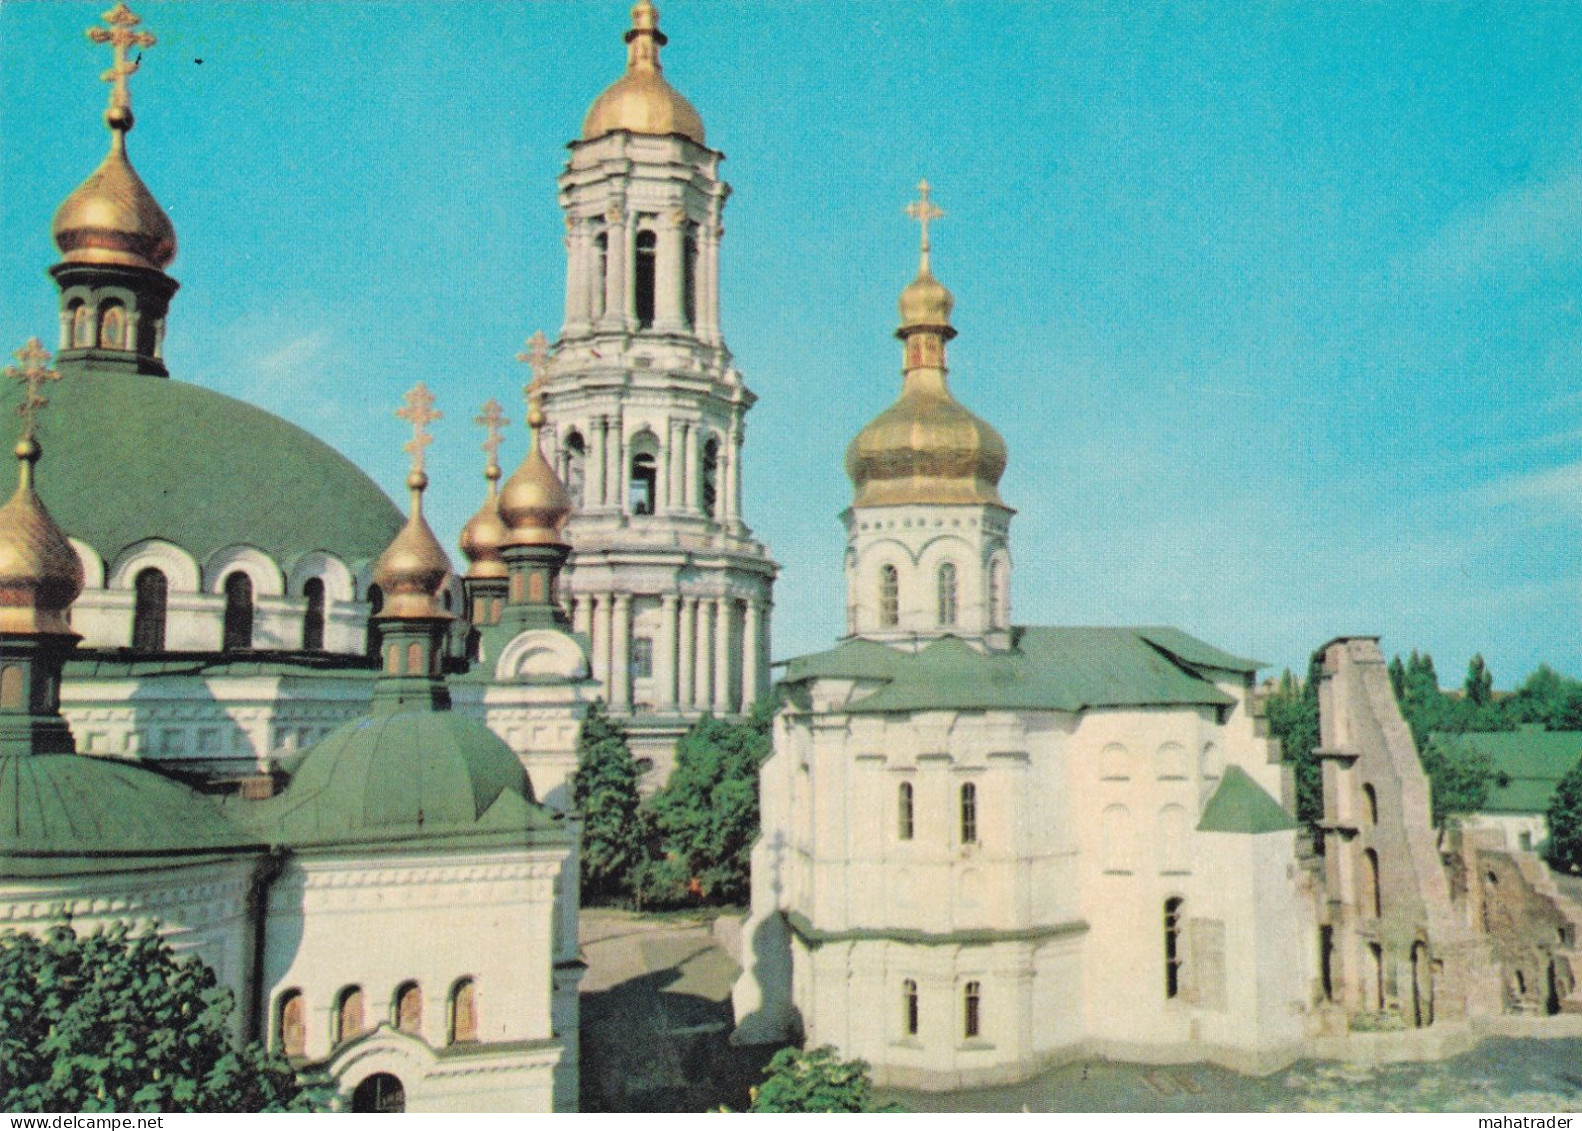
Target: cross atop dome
(492,420)
(120,36)
(923,210)
(418,410)
(33,371)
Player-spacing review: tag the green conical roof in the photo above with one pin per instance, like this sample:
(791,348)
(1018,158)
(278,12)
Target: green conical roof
(1241,805)
(63,814)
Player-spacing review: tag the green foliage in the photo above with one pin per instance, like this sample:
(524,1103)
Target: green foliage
(1565,823)
(1397,672)
(112,1022)
(1292,713)
(1459,779)
(1479,685)
(815,1080)
(604,791)
(702,824)
(1547,698)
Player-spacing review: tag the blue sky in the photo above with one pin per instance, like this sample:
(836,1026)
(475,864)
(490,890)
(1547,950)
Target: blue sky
(1275,304)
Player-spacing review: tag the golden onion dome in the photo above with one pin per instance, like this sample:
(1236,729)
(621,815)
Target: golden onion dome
(40,574)
(926,303)
(641,101)
(534,503)
(926,448)
(112,217)
(412,570)
(484,534)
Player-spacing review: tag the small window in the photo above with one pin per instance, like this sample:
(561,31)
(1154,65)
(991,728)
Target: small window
(1173,950)
(463,1012)
(972,1005)
(643,278)
(909,1007)
(574,470)
(947,594)
(313,619)
(380,1094)
(689,276)
(409,1008)
(11,687)
(710,497)
(642,658)
(415,664)
(969,813)
(150,592)
(112,327)
(640,494)
(81,326)
(238,631)
(904,826)
(291,1024)
(889,596)
(601,270)
(349,1014)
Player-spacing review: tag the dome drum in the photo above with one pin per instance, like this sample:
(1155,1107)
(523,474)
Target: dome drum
(112,318)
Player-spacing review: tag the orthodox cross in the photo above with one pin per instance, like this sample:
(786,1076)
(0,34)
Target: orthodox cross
(493,422)
(536,358)
(419,411)
(923,210)
(34,370)
(119,35)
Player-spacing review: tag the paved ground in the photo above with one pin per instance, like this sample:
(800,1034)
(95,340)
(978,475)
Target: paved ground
(656,1019)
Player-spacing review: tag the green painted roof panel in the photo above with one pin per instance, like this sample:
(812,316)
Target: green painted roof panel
(1241,805)
(1531,762)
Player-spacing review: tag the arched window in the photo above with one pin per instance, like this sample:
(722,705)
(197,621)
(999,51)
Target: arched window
(689,276)
(971,1010)
(150,590)
(904,824)
(112,327)
(313,619)
(409,1008)
(909,1007)
(414,659)
(349,1014)
(1372,899)
(291,1024)
(1370,801)
(710,477)
(640,491)
(889,596)
(11,687)
(643,278)
(997,594)
(1174,909)
(969,813)
(463,1011)
(601,270)
(381,1094)
(238,612)
(947,594)
(81,326)
(575,465)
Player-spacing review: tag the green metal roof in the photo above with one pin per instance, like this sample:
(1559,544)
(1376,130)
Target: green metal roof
(300,665)
(128,458)
(70,814)
(400,776)
(1530,761)
(1063,669)
(1241,805)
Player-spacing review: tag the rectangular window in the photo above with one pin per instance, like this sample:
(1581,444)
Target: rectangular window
(971,1010)
(642,658)
(909,1007)
(969,814)
(904,825)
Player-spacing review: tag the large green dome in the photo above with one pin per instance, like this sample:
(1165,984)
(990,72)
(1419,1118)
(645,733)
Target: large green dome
(401,775)
(130,457)
(70,814)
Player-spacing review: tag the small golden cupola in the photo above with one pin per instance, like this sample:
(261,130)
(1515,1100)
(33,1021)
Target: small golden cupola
(926,447)
(412,570)
(641,101)
(535,504)
(112,218)
(485,533)
(40,573)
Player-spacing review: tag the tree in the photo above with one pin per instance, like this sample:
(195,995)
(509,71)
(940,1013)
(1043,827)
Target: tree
(1565,823)
(815,1080)
(604,791)
(1292,712)
(702,824)
(1397,672)
(1479,686)
(116,1022)
(1459,777)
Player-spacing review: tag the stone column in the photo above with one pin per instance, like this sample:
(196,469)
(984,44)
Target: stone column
(689,470)
(615,446)
(738,435)
(686,652)
(722,656)
(665,655)
(65,330)
(708,299)
(672,465)
(621,654)
(668,273)
(752,613)
(702,688)
(600,614)
(582,615)
(628,272)
(593,469)
(730,475)
(615,296)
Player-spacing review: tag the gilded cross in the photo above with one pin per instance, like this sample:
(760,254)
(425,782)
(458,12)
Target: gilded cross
(923,210)
(120,36)
(419,411)
(493,422)
(536,358)
(34,370)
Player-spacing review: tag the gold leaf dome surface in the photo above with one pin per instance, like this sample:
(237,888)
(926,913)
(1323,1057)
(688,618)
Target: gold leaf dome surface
(926,448)
(413,567)
(482,538)
(641,101)
(926,302)
(534,503)
(40,574)
(112,218)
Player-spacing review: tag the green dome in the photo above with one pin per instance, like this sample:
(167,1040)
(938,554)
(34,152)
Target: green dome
(63,814)
(401,775)
(130,457)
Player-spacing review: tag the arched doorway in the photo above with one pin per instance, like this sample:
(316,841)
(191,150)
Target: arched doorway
(380,1093)
(1422,986)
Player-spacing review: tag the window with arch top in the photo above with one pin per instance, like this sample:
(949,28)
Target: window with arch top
(463,1012)
(574,465)
(349,1014)
(889,596)
(313,619)
(81,325)
(643,278)
(150,591)
(291,1024)
(409,1008)
(640,491)
(238,632)
(947,594)
(112,327)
